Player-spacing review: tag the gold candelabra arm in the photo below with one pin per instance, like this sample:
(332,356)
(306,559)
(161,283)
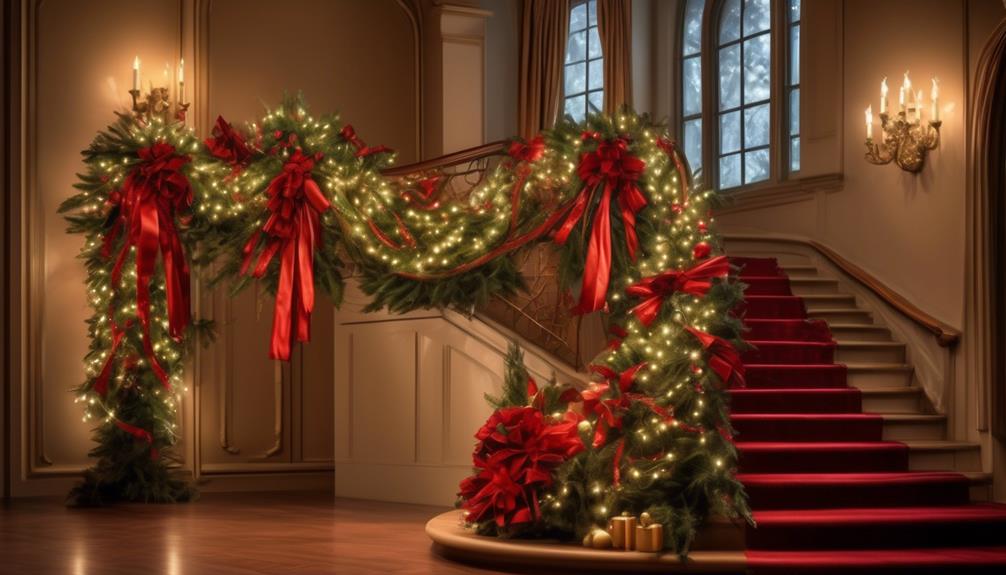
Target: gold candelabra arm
(157,105)
(903,142)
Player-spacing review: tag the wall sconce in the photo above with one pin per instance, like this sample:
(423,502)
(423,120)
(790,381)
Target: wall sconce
(905,139)
(158,103)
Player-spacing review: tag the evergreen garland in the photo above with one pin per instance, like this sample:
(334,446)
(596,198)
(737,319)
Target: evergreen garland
(134,411)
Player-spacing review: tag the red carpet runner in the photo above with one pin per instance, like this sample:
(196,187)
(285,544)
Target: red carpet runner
(829,495)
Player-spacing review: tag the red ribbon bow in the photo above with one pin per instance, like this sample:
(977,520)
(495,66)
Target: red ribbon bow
(724,359)
(151,195)
(228,145)
(294,228)
(609,411)
(695,280)
(531,151)
(517,453)
(612,166)
(362,149)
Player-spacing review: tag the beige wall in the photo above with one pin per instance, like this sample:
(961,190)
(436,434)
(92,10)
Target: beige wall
(907,230)
(247,422)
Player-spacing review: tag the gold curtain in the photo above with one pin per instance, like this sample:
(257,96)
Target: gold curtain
(614,26)
(544,26)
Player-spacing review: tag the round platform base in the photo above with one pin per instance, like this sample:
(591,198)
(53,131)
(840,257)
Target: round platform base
(454,541)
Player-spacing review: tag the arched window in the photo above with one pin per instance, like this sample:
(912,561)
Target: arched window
(691,82)
(583,80)
(744,57)
(793,85)
(752,117)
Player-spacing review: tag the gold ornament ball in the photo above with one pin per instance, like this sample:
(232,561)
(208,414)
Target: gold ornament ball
(644,519)
(601,539)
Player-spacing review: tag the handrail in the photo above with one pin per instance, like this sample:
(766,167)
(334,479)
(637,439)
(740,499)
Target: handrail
(946,335)
(452,159)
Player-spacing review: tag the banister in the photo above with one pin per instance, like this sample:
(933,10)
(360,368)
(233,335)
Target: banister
(946,335)
(452,159)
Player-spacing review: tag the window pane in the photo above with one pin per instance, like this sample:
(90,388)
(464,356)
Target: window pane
(794,154)
(756,126)
(794,55)
(692,43)
(730,171)
(730,132)
(596,101)
(756,16)
(576,47)
(593,43)
(730,21)
(794,111)
(578,18)
(592,14)
(756,68)
(730,77)
(693,143)
(575,107)
(575,78)
(692,86)
(595,80)
(755,166)
(794,10)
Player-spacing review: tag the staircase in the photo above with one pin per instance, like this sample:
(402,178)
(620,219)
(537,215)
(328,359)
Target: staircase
(847,469)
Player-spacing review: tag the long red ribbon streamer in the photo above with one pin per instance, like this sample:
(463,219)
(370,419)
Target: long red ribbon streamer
(294,230)
(613,167)
(151,196)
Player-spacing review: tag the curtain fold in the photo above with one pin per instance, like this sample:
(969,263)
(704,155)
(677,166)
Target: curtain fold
(544,27)
(614,26)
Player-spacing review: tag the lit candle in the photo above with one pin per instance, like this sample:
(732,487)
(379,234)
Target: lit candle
(136,73)
(883,96)
(181,80)
(869,123)
(918,107)
(906,87)
(935,95)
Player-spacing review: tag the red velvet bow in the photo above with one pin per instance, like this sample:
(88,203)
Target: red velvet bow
(294,228)
(609,410)
(695,280)
(516,456)
(362,149)
(228,145)
(723,359)
(531,151)
(613,167)
(151,196)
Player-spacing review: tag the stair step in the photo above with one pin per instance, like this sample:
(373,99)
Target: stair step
(914,426)
(831,490)
(815,285)
(859,332)
(870,376)
(827,427)
(929,561)
(978,524)
(941,455)
(841,315)
(870,352)
(799,270)
(898,399)
(829,302)
(874,456)
(833,400)
(790,352)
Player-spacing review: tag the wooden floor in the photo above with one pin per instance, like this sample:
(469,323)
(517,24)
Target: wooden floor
(222,534)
